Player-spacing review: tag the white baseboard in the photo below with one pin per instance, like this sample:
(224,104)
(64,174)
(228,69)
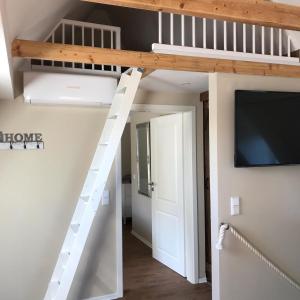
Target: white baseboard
(143,240)
(105,297)
(202,280)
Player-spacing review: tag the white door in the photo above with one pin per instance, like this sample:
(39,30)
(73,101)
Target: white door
(167,196)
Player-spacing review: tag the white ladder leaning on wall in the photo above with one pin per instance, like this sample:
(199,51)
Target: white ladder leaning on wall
(89,199)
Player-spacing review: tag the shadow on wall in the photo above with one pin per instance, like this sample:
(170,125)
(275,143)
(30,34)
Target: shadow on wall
(96,273)
(139,29)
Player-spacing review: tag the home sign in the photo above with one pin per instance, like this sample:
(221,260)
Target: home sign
(21,141)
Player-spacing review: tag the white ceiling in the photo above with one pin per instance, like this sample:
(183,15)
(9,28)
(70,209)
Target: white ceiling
(175,81)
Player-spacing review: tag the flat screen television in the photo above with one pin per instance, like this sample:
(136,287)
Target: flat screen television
(267,128)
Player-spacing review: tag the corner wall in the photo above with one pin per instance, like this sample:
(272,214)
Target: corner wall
(270,204)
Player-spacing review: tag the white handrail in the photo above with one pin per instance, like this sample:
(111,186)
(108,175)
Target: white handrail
(255,251)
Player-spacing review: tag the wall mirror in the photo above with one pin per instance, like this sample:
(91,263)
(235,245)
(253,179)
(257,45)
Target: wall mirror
(143,158)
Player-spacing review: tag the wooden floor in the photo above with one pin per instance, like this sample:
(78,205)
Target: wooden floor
(146,278)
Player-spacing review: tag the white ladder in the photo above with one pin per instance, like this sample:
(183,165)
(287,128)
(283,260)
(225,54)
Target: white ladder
(89,199)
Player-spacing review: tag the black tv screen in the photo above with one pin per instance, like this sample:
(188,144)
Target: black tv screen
(267,128)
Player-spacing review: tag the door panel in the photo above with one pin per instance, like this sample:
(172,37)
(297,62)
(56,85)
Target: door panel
(167,197)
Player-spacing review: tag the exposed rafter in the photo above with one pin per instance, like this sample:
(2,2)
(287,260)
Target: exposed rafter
(83,54)
(258,12)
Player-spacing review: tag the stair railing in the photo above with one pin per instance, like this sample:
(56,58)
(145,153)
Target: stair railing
(255,251)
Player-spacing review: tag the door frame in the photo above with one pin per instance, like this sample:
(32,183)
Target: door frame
(192,211)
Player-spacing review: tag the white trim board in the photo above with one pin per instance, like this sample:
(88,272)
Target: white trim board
(157,108)
(202,280)
(222,54)
(105,297)
(119,224)
(140,238)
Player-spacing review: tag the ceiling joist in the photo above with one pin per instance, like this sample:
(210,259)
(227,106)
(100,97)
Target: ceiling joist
(259,12)
(146,60)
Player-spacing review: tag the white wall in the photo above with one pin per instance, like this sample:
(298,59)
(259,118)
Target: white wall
(269,197)
(39,191)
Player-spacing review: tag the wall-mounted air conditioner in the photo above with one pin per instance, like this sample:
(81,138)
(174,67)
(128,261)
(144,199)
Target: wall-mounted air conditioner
(74,89)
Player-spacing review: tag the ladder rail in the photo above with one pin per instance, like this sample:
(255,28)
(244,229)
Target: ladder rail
(94,185)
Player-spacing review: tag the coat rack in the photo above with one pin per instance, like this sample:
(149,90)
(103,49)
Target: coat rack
(21,141)
(22,146)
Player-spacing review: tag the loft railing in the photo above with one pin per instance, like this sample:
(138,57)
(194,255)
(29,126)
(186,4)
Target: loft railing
(214,37)
(83,34)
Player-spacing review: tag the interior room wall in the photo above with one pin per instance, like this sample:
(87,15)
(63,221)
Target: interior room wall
(270,207)
(126,151)
(39,191)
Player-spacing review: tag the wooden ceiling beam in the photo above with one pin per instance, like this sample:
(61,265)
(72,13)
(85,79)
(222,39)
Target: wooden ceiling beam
(146,60)
(259,12)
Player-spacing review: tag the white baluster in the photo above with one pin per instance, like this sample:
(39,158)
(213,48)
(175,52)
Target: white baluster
(204,33)
(253,39)
(52,41)
(172,28)
(73,41)
(93,44)
(82,42)
(272,41)
(280,42)
(234,37)
(263,40)
(215,34)
(225,35)
(160,27)
(111,46)
(194,31)
(63,38)
(182,31)
(102,45)
(244,39)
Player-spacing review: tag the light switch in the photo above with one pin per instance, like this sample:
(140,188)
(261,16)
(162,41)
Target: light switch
(235,206)
(105,197)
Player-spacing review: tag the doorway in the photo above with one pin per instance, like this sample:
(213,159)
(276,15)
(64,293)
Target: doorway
(163,224)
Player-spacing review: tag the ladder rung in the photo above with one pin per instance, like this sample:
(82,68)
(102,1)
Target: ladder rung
(55,282)
(75,227)
(122,90)
(96,170)
(85,198)
(113,117)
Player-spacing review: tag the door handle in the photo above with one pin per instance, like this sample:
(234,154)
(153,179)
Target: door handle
(151,184)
